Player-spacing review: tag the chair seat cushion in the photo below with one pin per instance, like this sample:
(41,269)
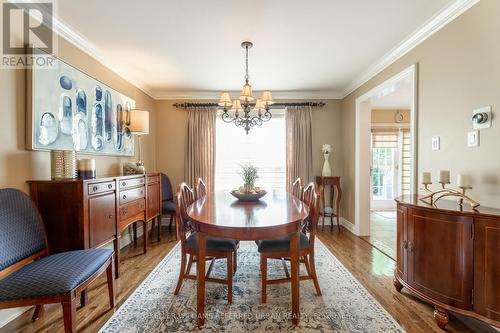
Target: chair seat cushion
(213,243)
(53,275)
(281,244)
(167,207)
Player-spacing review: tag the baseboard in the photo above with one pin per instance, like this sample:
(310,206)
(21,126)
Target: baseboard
(343,222)
(349,225)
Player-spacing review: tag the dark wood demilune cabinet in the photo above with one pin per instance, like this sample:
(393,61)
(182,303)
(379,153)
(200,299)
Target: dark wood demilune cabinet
(82,214)
(450,257)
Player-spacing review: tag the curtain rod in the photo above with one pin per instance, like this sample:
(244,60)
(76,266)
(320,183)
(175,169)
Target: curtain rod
(311,104)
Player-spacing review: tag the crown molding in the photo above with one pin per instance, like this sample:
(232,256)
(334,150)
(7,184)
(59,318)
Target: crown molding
(64,31)
(215,95)
(436,23)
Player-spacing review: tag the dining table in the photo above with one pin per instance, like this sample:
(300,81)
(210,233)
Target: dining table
(219,214)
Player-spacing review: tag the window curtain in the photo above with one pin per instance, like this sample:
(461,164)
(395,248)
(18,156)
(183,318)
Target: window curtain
(299,144)
(199,161)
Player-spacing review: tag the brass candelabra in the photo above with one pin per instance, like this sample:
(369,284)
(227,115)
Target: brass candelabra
(434,196)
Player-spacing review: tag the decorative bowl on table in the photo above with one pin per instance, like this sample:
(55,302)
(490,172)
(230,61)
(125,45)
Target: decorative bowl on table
(253,195)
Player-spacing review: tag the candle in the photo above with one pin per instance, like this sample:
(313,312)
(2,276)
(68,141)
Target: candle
(464,181)
(444,177)
(426,178)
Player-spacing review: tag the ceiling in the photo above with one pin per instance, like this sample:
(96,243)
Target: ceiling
(182,47)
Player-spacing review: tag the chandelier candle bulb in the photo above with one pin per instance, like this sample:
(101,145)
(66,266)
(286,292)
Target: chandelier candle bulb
(444,177)
(464,181)
(426,178)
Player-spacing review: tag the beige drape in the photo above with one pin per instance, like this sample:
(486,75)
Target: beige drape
(199,160)
(299,144)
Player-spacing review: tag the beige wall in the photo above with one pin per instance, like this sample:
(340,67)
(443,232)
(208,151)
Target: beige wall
(17,164)
(172,127)
(385,116)
(459,70)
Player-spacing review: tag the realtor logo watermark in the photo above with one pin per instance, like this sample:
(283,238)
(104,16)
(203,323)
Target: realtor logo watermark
(27,37)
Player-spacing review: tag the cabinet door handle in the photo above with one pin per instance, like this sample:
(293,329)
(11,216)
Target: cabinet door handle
(110,216)
(411,247)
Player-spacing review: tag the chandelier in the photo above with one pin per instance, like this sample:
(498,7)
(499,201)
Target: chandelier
(245,103)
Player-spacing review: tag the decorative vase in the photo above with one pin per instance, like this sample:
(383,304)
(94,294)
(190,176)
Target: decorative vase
(327,170)
(63,164)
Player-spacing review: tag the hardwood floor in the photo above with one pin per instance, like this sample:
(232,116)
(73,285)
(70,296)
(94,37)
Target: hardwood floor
(371,267)
(382,234)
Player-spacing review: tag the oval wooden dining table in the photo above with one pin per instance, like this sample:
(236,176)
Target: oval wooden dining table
(221,215)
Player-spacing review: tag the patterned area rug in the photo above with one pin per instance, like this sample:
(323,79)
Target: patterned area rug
(344,307)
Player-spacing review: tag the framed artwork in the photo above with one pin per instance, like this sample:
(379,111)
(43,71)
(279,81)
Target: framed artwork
(70,110)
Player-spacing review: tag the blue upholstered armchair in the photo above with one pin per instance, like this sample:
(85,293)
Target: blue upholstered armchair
(29,276)
(167,199)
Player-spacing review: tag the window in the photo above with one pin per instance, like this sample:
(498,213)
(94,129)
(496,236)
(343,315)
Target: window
(384,165)
(264,147)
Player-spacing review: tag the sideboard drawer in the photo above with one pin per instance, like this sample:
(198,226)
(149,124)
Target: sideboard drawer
(131,210)
(96,188)
(132,194)
(127,183)
(153,179)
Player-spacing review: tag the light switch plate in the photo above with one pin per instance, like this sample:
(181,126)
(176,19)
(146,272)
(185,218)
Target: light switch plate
(473,139)
(436,143)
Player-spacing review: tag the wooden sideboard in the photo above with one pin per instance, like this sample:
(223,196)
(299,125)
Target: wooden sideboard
(82,214)
(450,256)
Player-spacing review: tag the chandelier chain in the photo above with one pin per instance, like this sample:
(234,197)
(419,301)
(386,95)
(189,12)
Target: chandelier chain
(247,77)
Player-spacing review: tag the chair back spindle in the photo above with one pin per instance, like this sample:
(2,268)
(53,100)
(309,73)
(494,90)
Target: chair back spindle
(185,197)
(297,188)
(201,189)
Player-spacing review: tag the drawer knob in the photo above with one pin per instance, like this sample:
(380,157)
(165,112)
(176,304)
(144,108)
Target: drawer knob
(124,197)
(94,188)
(124,183)
(110,186)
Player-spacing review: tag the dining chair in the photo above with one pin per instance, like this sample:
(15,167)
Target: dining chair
(297,187)
(30,276)
(167,203)
(279,248)
(216,248)
(201,189)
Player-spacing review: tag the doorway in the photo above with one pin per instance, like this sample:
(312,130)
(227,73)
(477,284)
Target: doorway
(386,126)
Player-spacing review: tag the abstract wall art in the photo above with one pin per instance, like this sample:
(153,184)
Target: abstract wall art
(70,110)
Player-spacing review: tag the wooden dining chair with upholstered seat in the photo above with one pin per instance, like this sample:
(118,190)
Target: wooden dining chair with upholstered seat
(201,189)
(216,248)
(297,188)
(30,276)
(279,248)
